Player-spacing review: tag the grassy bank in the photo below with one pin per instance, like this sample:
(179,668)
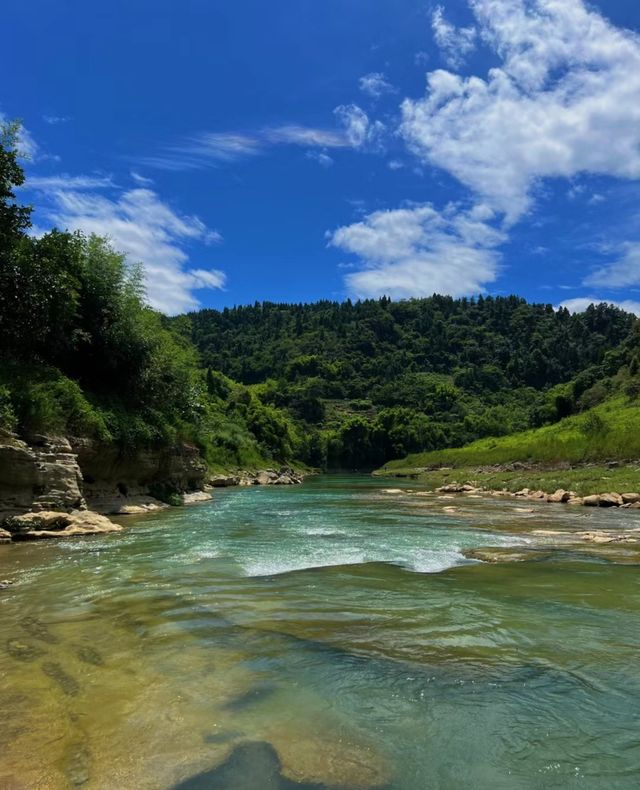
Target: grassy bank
(608,432)
(572,454)
(585,480)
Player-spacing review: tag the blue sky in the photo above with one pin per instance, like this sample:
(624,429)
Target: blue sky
(296,150)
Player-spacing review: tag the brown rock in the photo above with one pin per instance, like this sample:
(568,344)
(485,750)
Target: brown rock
(560,496)
(196,497)
(50,524)
(593,500)
(630,499)
(610,500)
(224,481)
(5,537)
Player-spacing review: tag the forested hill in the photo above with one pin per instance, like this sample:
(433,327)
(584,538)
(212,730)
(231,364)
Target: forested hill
(382,378)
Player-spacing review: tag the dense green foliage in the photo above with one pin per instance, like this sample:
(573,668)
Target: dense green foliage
(379,379)
(80,352)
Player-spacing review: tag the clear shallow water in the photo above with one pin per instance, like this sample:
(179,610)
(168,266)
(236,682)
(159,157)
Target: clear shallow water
(331,635)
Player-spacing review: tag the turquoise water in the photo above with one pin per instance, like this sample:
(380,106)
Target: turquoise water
(331,635)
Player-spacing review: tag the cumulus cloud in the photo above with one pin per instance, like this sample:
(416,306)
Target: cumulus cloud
(562,100)
(375,85)
(455,43)
(419,251)
(568,84)
(141,225)
(580,304)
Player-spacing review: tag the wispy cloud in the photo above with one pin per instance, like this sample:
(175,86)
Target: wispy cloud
(53,120)
(455,43)
(321,157)
(305,136)
(375,85)
(62,181)
(208,149)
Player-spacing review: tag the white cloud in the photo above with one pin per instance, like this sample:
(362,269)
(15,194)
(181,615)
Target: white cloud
(213,148)
(623,272)
(418,251)
(580,304)
(360,130)
(148,230)
(375,85)
(53,120)
(141,180)
(64,181)
(567,86)
(455,43)
(321,157)
(306,136)
(562,101)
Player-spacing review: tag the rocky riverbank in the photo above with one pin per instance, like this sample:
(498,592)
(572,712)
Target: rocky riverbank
(560,496)
(53,486)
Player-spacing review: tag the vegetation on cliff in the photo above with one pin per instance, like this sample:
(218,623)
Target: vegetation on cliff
(82,353)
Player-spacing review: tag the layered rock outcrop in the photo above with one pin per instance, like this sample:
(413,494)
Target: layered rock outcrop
(73,480)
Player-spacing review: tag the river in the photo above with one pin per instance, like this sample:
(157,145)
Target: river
(331,635)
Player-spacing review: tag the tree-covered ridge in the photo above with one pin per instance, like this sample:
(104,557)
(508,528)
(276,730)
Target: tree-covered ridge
(82,353)
(379,378)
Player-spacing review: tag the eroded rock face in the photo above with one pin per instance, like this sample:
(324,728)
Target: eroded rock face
(114,481)
(41,475)
(54,474)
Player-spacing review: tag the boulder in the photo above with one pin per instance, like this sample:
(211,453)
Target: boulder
(456,488)
(51,524)
(559,496)
(195,497)
(576,500)
(630,499)
(523,492)
(5,584)
(224,481)
(5,537)
(593,500)
(610,500)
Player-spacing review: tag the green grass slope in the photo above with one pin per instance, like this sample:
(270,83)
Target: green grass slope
(607,432)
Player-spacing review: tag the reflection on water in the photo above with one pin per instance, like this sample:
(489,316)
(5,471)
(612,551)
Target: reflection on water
(326,636)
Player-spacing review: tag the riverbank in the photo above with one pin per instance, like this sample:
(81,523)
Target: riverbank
(560,483)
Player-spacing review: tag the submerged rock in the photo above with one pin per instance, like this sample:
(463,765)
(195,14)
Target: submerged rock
(23,651)
(502,554)
(89,655)
(38,630)
(78,764)
(66,683)
(251,766)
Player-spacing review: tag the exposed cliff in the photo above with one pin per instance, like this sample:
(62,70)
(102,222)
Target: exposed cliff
(45,473)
